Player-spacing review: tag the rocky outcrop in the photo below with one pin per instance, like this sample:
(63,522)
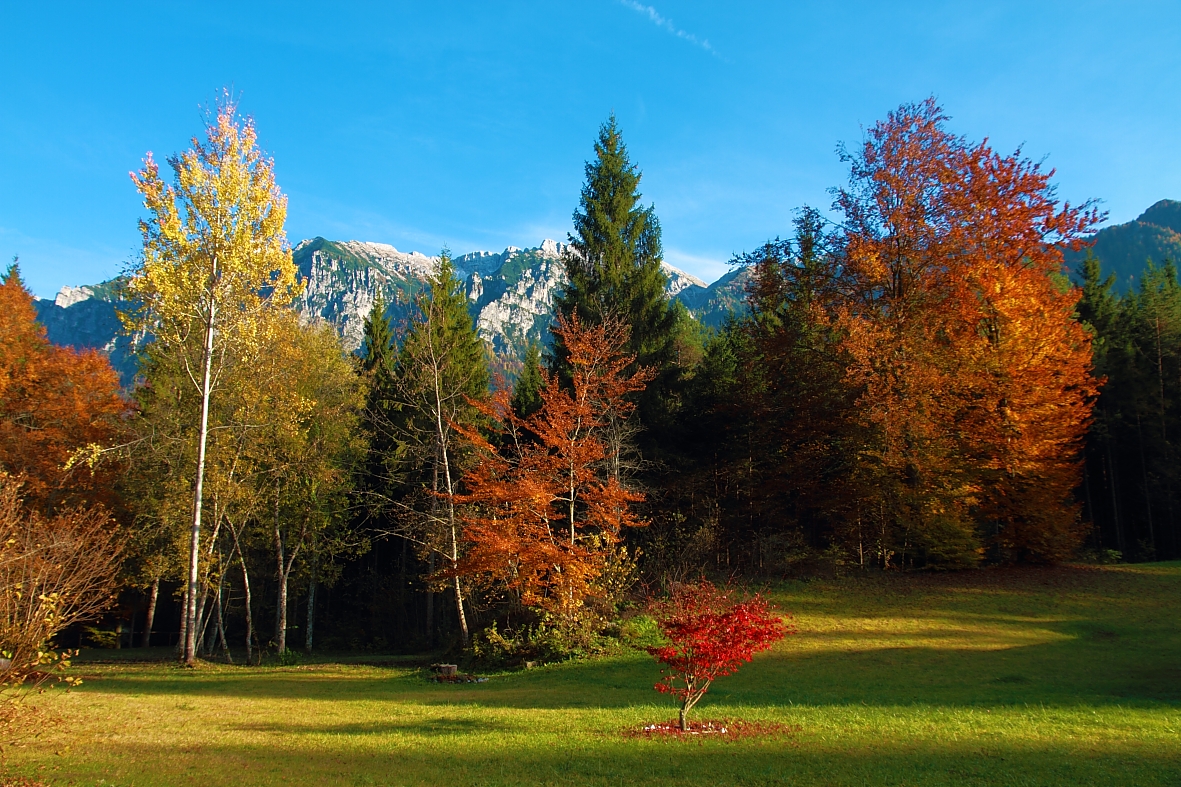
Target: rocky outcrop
(85,317)
(511,292)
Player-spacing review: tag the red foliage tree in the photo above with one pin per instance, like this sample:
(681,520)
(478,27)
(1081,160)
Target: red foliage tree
(710,636)
(53,402)
(544,505)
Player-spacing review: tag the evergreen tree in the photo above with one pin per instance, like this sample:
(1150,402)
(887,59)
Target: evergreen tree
(527,392)
(1098,308)
(377,342)
(378,364)
(1099,311)
(1148,405)
(768,417)
(1133,463)
(442,340)
(441,368)
(615,272)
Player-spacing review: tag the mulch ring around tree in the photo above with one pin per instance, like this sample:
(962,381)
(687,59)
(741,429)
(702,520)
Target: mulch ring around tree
(719,729)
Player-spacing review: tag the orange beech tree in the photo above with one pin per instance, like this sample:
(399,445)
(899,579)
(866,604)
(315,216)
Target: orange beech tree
(54,402)
(544,506)
(974,376)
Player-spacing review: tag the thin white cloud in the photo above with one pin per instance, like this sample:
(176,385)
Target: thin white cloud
(655,17)
(706,268)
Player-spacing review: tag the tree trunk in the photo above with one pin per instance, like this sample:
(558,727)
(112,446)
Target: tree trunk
(441,435)
(571,505)
(249,600)
(455,562)
(281,617)
(184,623)
(692,697)
(204,615)
(281,603)
(1147,494)
(459,609)
(1119,532)
(152,598)
(1160,371)
(307,642)
(221,624)
(190,646)
(1095,529)
(402,589)
(430,602)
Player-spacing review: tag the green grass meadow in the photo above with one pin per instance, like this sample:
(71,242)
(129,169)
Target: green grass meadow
(1067,676)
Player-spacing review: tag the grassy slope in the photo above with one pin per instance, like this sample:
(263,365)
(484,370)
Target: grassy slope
(1058,676)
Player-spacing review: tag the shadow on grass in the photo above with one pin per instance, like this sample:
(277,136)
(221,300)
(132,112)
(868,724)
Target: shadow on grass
(1126,650)
(613,760)
(441,725)
(1095,670)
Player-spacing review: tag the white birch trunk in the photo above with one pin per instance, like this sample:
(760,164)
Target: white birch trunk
(190,643)
(441,436)
(281,603)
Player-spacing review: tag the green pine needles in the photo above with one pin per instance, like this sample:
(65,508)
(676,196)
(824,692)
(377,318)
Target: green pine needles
(614,271)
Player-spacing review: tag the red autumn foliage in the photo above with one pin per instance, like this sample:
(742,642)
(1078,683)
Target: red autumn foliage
(974,377)
(53,402)
(710,635)
(545,503)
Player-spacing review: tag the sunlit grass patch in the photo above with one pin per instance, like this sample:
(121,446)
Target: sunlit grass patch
(1043,676)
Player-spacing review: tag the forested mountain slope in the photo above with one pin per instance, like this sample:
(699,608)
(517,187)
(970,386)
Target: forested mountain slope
(1124,249)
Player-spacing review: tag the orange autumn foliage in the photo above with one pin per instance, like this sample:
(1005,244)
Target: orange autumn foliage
(54,401)
(975,377)
(544,504)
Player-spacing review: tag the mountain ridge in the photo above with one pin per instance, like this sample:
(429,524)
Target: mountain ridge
(510,295)
(1123,249)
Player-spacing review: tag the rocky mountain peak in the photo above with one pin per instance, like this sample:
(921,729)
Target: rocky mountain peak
(511,294)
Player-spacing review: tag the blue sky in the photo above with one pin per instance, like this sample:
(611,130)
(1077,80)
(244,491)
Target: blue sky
(467,124)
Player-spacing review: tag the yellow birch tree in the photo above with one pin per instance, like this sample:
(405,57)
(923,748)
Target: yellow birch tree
(215,260)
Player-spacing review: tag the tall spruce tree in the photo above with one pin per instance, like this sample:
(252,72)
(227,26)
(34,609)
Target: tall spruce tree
(527,391)
(377,342)
(378,363)
(614,272)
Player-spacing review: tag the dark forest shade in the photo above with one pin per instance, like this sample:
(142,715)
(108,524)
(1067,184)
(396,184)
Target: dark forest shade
(1133,462)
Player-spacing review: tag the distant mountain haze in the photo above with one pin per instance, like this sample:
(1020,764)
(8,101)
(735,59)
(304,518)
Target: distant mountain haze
(510,293)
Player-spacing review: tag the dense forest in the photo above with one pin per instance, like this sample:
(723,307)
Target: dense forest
(914,383)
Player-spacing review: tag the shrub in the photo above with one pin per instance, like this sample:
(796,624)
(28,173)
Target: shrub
(54,572)
(710,635)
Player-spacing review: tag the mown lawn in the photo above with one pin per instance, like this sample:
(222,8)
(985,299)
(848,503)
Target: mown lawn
(1065,676)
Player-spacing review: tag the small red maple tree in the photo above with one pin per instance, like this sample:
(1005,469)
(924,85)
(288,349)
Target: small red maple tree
(710,636)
